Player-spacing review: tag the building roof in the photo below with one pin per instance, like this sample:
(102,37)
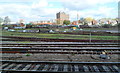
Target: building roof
(44,23)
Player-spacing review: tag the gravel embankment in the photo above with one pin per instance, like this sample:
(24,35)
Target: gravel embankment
(60,57)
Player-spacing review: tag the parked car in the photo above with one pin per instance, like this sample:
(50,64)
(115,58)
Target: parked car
(11,30)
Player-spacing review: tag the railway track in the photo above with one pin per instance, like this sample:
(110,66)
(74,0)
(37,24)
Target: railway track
(61,67)
(61,48)
(63,44)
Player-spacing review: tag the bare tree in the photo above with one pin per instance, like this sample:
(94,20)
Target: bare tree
(6,20)
(1,20)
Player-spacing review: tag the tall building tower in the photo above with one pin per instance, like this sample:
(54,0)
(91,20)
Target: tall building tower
(61,16)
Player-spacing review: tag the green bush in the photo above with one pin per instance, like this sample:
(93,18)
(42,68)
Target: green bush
(106,25)
(28,54)
(118,25)
(66,22)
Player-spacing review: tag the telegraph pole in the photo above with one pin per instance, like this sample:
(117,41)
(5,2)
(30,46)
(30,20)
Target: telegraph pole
(77,17)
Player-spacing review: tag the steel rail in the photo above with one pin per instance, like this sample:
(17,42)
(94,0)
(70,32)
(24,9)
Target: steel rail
(62,67)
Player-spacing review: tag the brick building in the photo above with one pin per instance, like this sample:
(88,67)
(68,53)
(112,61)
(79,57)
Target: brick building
(61,16)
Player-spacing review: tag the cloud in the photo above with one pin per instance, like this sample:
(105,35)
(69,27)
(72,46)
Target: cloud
(11,1)
(34,10)
(13,10)
(86,4)
(41,3)
(91,8)
(100,12)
